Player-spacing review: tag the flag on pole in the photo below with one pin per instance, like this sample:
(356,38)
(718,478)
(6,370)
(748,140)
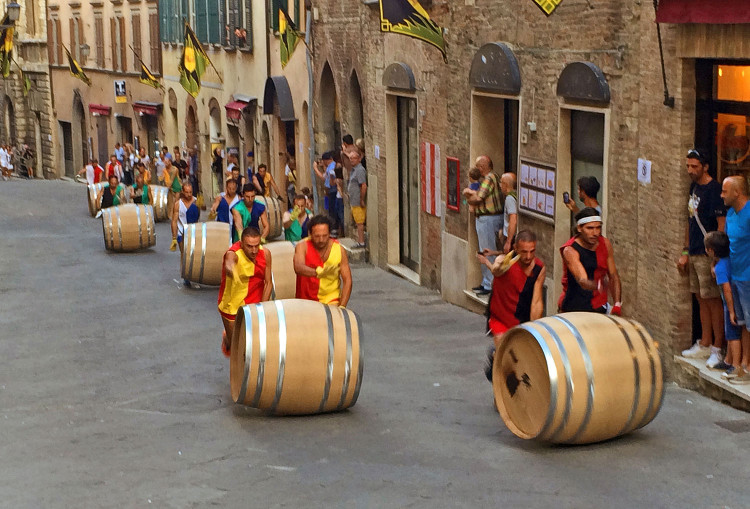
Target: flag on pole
(75,68)
(290,35)
(147,78)
(192,63)
(26,83)
(408,17)
(547,6)
(6,48)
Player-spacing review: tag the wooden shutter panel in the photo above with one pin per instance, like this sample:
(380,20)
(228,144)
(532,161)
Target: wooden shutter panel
(58,41)
(164,20)
(201,21)
(123,45)
(51,47)
(72,23)
(113,41)
(154,42)
(216,17)
(249,23)
(99,22)
(81,40)
(136,20)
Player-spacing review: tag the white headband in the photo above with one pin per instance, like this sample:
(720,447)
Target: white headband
(590,219)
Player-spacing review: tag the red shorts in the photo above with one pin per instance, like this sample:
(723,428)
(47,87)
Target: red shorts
(497,327)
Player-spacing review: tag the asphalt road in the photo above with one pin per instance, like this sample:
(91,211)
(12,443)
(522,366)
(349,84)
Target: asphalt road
(114,393)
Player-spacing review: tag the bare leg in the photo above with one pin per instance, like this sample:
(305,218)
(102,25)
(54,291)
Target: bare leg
(745,348)
(229,330)
(706,326)
(717,320)
(361,233)
(734,354)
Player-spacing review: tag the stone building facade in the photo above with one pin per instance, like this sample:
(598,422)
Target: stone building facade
(27,119)
(579,92)
(104,38)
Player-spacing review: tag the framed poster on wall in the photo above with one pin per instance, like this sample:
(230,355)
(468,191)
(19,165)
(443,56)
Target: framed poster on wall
(537,184)
(452,184)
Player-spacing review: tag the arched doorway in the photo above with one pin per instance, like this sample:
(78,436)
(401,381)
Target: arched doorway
(9,121)
(38,160)
(191,136)
(328,113)
(356,113)
(79,134)
(265,145)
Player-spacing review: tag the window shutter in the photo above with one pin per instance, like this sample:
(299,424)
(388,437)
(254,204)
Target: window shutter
(136,20)
(296,14)
(73,45)
(81,41)
(123,45)
(154,43)
(249,23)
(113,41)
(201,20)
(216,17)
(275,15)
(51,47)
(58,41)
(100,42)
(233,20)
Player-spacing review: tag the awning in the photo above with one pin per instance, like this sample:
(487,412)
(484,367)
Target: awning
(278,87)
(703,11)
(146,108)
(235,108)
(99,109)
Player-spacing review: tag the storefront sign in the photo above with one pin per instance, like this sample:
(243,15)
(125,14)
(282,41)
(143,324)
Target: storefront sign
(120,93)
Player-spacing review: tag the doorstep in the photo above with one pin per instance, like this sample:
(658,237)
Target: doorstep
(693,374)
(480,299)
(405,272)
(357,255)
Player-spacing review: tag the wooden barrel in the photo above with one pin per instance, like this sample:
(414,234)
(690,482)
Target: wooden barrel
(128,227)
(92,190)
(282,268)
(204,245)
(160,194)
(296,357)
(275,213)
(577,378)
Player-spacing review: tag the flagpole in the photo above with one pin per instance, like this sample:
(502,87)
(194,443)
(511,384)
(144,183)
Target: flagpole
(310,127)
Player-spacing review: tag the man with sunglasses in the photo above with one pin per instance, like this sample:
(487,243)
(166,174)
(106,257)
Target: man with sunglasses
(706,213)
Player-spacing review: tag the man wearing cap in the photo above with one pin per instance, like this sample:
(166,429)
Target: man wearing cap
(706,213)
(589,269)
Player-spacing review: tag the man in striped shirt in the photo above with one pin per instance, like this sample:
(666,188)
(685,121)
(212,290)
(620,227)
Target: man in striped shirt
(488,207)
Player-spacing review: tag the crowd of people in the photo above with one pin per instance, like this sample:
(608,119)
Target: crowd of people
(18,159)
(716,260)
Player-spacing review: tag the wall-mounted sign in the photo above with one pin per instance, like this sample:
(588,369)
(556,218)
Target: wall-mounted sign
(536,189)
(120,92)
(644,171)
(454,178)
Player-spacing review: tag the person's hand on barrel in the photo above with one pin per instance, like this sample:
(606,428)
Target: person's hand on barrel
(173,245)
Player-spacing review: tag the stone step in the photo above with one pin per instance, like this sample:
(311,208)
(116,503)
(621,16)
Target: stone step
(357,255)
(693,374)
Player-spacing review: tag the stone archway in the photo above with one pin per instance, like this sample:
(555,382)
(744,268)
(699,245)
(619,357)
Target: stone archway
(265,145)
(356,111)
(79,134)
(329,134)
(9,121)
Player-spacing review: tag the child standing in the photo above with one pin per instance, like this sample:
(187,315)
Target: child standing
(475,177)
(717,247)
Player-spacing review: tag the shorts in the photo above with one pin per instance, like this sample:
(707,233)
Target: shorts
(741,293)
(229,317)
(359,214)
(702,281)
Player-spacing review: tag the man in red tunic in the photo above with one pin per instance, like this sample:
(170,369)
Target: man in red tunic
(516,295)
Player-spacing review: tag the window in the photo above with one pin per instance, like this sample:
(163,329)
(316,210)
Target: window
(136,22)
(173,14)
(209,20)
(154,42)
(99,29)
(239,31)
(249,24)
(293,8)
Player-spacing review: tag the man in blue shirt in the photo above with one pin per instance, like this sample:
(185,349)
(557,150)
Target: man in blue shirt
(328,176)
(734,194)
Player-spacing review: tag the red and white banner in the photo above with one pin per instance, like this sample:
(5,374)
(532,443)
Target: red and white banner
(430,178)
(703,11)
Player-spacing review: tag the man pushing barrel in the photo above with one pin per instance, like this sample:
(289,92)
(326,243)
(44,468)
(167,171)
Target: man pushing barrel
(321,265)
(245,279)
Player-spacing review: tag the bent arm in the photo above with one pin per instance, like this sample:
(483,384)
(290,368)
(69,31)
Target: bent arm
(614,276)
(537,306)
(363,194)
(346,280)
(264,228)
(175,216)
(576,268)
(238,226)
(300,268)
(268,283)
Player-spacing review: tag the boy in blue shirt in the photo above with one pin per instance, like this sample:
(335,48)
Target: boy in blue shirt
(717,248)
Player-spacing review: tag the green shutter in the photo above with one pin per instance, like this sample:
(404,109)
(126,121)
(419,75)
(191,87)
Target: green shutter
(201,20)
(296,14)
(164,20)
(249,23)
(215,18)
(275,15)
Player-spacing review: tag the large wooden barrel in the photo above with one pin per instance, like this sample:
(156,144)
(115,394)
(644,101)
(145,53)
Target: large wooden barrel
(160,194)
(282,268)
(577,378)
(275,213)
(204,245)
(296,357)
(92,191)
(128,227)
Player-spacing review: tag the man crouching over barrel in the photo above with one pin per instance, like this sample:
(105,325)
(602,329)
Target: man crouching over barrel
(321,265)
(245,279)
(516,295)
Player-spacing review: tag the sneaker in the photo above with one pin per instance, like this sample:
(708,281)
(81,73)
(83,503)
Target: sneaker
(697,351)
(477,288)
(731,372)
(483,291)
(743,379)
(721,366)
(715,359)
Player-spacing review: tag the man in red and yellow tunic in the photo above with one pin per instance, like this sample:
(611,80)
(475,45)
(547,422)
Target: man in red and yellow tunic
(321,265)
(245,279)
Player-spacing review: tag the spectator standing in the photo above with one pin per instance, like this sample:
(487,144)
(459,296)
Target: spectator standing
(91,176)
(360,144)
(328,175)
(120,153)
(113,167)
(357,190)
(510,209)
(217,166)
(180,163)
(194,169)
(5,166)
(290,174)
(249,165)
(488,208)
(706,214)
(735,195)
(231,163)
(171,177)
(159,164)
(589,268)
(296,220)
(588,189)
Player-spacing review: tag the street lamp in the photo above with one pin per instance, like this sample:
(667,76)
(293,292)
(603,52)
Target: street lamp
(85,49)
(14,11)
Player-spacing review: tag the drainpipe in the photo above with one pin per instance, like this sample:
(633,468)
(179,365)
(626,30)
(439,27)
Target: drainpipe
(308,37)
